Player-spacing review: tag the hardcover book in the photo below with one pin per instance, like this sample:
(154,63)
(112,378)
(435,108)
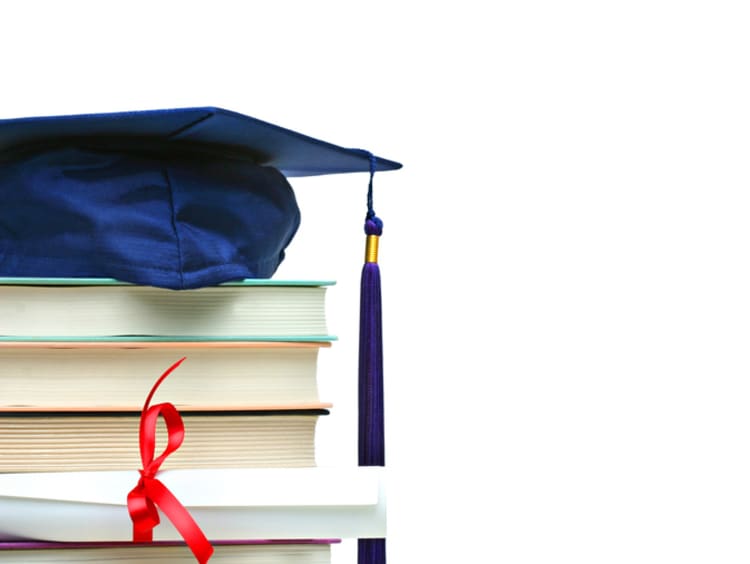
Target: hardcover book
(98,440)
(113,375)
(56,309)
(164,552)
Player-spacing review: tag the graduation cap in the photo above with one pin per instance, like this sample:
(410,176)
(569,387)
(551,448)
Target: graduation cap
(179,198)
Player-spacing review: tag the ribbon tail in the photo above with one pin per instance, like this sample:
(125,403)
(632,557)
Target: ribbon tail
(143,513)
(182,520)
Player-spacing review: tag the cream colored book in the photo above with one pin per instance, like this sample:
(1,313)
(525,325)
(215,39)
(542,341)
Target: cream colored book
(85,308)
(118,376)
(80,441)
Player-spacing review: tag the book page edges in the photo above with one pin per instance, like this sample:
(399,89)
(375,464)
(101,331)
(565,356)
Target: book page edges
(115,343)
(186,409)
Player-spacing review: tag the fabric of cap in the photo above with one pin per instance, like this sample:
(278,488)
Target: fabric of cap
(175,222)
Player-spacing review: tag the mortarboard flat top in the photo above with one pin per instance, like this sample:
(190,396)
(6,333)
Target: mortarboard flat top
(294,154)
(177,198)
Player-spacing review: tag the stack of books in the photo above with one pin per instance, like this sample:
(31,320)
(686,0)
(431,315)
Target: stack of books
(78,358)
(176,202)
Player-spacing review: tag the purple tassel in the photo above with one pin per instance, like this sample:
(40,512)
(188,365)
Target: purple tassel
(371,424)
(371,551)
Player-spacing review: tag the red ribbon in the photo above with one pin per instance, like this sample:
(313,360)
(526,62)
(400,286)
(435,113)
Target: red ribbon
(150,493)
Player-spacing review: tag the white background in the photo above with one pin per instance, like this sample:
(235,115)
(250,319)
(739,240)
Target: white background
(565,255)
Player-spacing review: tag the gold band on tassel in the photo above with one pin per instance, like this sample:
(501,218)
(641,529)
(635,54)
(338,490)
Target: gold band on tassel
(371,249)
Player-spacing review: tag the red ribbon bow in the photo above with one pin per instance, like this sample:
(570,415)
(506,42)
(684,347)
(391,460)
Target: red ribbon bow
(150,493)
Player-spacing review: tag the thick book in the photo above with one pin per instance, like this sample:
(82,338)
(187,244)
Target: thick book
(165,552)
(80,309)
(79,441)
(227,504)
(102,374)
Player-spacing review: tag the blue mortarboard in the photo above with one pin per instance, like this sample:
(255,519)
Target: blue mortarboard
(178,198)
